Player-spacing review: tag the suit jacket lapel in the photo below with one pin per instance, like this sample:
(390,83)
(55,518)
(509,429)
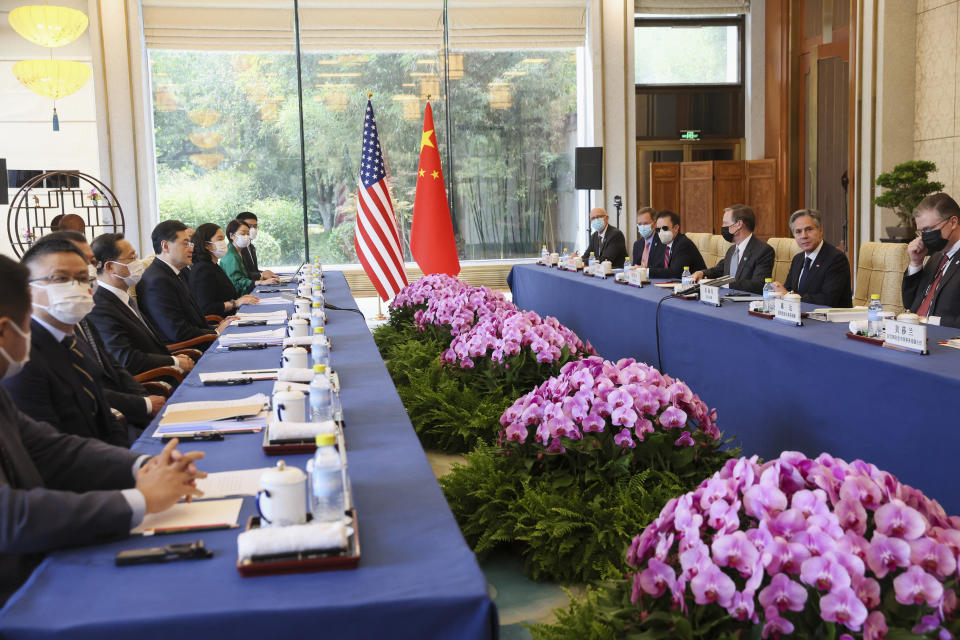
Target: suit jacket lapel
(130,315)
(952,267)
(53,351)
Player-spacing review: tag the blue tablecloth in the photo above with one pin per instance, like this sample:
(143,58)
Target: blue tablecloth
(417,577)
(776,387)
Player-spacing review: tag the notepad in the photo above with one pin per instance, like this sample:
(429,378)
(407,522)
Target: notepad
(271,300)
(254,374)
(270,336)
(240,425)
(269,316)
(243,482)
(204,411)
(192,516)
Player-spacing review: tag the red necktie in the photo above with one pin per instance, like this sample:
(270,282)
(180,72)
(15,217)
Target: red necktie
(924,309)
(666,256)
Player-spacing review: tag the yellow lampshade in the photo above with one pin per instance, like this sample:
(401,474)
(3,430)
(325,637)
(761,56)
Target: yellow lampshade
(207,160)
(206,140)
(48,26)
(429,87)
(455,65)
(501,95)
(204,117)
(52,78)
(336,101)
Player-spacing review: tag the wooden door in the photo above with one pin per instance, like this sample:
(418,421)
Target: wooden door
(727,188)
(832,125)
(665,186)
(696,197)
(760,193)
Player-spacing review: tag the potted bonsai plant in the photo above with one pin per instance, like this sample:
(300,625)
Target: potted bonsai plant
(906,186)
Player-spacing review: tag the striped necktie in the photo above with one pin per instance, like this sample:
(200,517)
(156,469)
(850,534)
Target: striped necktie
(80,363)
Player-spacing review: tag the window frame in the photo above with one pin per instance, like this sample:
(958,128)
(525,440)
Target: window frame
(738,21)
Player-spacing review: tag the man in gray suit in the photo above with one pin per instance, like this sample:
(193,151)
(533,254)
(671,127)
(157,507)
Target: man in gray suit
(59,490)
(750,259)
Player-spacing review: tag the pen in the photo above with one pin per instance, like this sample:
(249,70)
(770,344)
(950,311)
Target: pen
(227,383)
(251,323)
(246,373)
(196,436)
(249,346)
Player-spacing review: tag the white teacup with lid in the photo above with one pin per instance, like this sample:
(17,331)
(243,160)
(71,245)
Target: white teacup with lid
(282,499)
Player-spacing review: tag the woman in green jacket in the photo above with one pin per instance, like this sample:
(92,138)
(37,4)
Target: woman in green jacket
(239,235)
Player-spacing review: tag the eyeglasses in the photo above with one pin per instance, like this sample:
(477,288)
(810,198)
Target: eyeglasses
(83,281)
(920,232)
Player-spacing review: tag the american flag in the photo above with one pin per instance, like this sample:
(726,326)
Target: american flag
(376,240)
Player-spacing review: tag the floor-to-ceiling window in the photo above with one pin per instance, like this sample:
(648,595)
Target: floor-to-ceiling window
(502,82)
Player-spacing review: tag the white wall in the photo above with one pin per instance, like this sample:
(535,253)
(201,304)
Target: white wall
(27,138)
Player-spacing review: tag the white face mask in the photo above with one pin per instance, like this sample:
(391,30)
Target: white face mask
(220,248)
(253,234)
(135,269)
(68,302)
(666,237)
(241,241)
(14,367)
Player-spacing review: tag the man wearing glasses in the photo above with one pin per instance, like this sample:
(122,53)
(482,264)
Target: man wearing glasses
(60,382)
(162,292)
(933,290)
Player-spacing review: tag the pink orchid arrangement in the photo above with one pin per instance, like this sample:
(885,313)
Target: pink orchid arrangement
(796,544)
(504,333)
(440,300)
(594,398)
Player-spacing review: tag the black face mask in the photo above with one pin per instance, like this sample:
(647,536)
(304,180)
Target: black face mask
(725,232)
(933,240)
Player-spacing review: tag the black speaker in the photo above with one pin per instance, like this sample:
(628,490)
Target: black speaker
(588,172)
(4,187)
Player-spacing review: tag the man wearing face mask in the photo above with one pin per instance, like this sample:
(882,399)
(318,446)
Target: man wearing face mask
(646,238)
(249,253)
(122,391)
(60,385)
(59,490)
(162,292)
(933,290)
(750,260)
(129,338)
(675,250)
(606,241)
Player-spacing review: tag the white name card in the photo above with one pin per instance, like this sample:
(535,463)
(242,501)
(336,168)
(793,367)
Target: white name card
(636,277)
(710,295)
(787,311)
(904,335)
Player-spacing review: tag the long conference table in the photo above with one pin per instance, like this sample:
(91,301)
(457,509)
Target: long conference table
(416,579)
(776,387)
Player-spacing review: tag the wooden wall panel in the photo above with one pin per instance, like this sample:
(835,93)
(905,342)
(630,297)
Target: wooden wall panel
(696,197)
(760,193)
(728,188)
(665,186)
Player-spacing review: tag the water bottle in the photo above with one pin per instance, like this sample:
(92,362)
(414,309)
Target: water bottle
(316,295)
(327,502)
(317,317)
(321,395)
(544,255)
(319,348)
(768,297)
(686,278)
(627,264)
(874,323)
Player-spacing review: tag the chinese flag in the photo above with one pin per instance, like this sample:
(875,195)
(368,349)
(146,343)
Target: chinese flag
(431,234)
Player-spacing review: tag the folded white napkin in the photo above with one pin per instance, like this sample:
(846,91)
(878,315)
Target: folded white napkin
(858,325)
(295,374)
(292,538)
(299,430)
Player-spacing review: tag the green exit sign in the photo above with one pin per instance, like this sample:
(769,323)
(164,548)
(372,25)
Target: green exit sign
(690,134)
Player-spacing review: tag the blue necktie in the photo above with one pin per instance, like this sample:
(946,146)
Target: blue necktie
(807,262)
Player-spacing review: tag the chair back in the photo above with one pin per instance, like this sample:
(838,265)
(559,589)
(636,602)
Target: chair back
(784,250)
(880,269)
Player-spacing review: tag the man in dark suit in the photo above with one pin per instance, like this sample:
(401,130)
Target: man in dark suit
(674,251)
(249,253)
(646,237)
(820,273)
(126,333)
(933,290)
(606,241)
(60,384)
(59,490)
(750,260)
(162,292)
